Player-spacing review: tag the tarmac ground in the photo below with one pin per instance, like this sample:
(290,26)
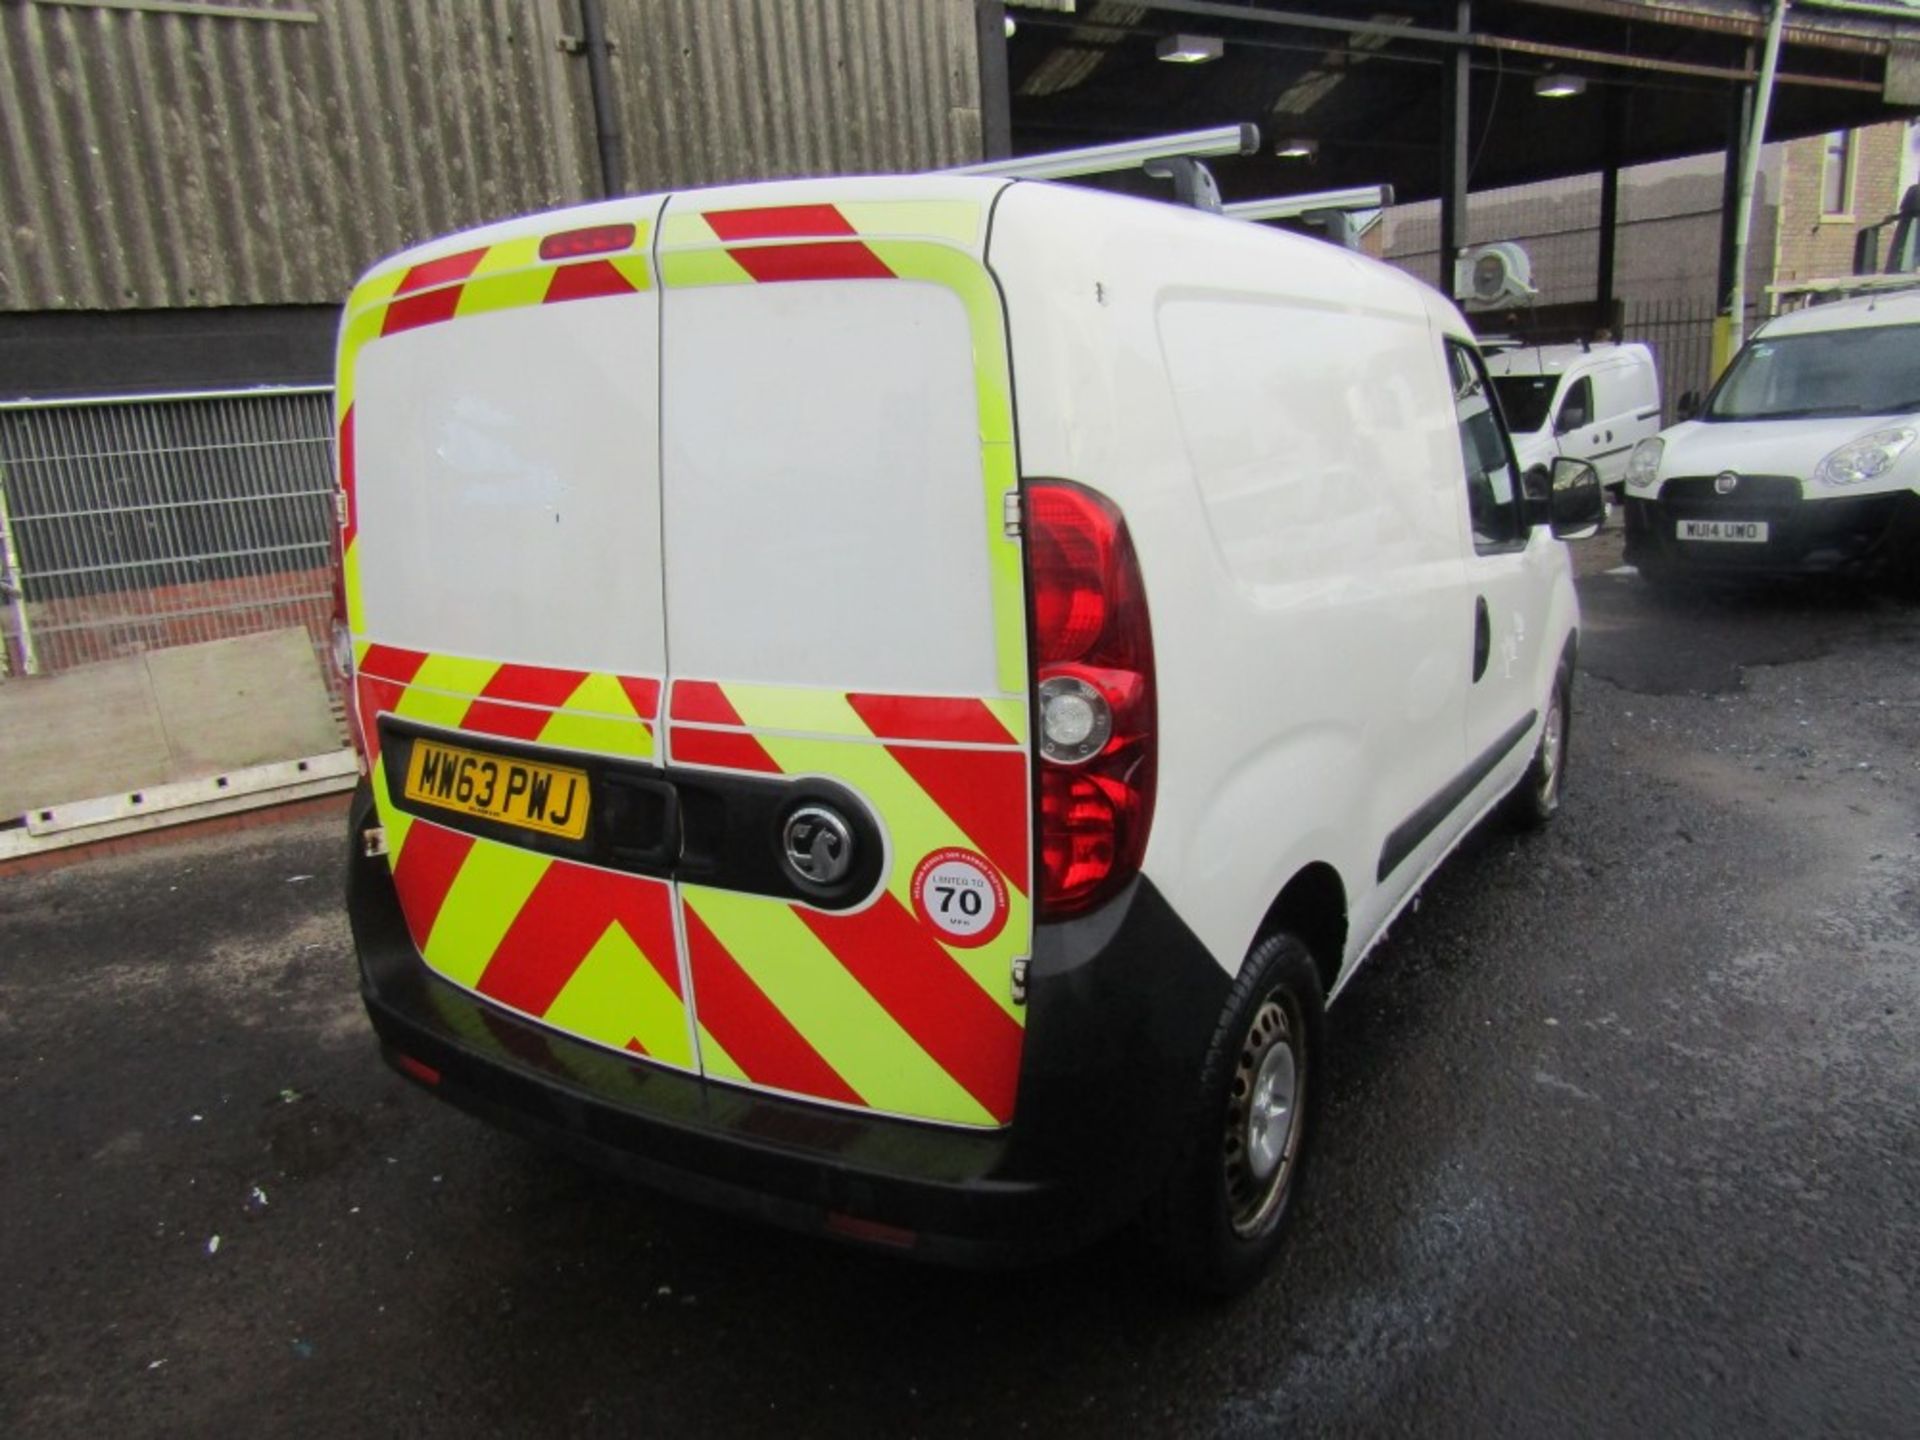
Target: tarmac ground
(1623,1137)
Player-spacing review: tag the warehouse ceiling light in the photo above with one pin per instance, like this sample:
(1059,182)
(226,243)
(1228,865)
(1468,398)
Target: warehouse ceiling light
(1190,49)
(1300,147)
(1560,87)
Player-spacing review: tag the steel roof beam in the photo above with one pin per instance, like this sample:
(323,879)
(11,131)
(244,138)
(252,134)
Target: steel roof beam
(1675,17)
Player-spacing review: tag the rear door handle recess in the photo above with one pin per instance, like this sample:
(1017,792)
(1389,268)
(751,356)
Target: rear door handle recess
(1482,637)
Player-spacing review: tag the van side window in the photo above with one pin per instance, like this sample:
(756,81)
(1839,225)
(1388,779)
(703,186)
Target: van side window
(1577,409)
(1493,490)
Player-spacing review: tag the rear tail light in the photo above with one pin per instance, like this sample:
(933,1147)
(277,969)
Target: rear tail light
(1093,678)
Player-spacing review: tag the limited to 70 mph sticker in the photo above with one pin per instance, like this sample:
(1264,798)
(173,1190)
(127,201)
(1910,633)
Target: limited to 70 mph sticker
(961,895)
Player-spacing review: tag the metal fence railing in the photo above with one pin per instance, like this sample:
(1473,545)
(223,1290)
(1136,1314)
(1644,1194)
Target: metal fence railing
(1680,333)
(138,523)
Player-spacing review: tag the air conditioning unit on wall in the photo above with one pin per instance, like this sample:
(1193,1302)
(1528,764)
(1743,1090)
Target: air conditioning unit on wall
(1489,277)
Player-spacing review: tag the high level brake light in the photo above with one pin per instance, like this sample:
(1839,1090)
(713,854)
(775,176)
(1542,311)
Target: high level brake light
(591,240)
(1093,674)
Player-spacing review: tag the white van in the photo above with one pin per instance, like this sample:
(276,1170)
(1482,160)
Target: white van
(892,704)
(1593,402)
(1802,460)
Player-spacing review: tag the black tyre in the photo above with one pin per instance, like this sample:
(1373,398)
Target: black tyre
(1536,799)
(1220,1217)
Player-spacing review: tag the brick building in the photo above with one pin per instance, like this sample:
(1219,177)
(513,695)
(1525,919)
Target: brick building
(1830,186)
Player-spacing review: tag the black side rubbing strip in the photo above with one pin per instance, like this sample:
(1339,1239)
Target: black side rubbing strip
(1408,834)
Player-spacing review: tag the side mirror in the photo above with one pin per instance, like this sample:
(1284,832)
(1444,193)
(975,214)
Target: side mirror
(1689,405)
(1575,504)
(1536,483)
(1570,419)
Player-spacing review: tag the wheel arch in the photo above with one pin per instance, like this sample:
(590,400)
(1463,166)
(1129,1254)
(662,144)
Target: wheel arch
(1313,906)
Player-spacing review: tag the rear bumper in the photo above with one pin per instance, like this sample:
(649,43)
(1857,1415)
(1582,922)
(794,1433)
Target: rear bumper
(1847,535)
(1121,1004)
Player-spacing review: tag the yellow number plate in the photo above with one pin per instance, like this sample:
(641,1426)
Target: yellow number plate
(549,798)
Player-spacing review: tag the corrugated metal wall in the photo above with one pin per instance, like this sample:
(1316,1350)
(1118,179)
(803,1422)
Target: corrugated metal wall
(154,159)
(162,159)
(713,90)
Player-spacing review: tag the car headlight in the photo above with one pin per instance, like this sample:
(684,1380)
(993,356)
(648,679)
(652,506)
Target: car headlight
(1867,458)
(1643,467)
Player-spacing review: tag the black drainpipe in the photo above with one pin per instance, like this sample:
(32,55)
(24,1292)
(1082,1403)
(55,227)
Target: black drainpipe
(606,114)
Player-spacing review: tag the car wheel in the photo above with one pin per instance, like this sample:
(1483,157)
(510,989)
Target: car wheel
(1536,799)
(1220,1216)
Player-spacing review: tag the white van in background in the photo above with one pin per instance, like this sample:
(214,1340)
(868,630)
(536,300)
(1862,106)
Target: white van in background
(892,704)
(1803,460)
(1592,402)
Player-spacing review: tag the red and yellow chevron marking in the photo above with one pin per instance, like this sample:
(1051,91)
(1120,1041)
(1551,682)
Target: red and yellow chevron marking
(588,951)
(568,709)
(868,1008)
(505,275)
(846,240)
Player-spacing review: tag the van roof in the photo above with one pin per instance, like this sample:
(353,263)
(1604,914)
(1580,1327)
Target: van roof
(1555,359)
(1899,308)
(1084,211)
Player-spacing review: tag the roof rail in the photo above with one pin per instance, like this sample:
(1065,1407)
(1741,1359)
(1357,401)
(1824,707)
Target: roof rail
(1165,157)
(1121,155)
(1292,207)
(1799,294)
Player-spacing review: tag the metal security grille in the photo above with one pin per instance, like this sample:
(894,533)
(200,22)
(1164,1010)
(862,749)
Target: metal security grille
(135,524)
(1680,333)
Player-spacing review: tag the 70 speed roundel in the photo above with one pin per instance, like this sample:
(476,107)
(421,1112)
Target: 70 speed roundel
(960,896)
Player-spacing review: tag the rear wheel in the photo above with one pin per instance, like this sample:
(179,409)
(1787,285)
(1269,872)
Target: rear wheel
(1536,799)
(1221,1215)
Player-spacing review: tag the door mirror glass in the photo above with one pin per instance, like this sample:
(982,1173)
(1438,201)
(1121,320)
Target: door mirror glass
(1575,504)
(1689,405)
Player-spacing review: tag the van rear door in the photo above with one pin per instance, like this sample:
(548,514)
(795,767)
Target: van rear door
(498,400)
(845,622)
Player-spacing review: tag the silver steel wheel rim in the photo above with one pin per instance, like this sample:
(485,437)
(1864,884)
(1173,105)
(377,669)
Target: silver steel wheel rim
(1552,739)
(1264,1119)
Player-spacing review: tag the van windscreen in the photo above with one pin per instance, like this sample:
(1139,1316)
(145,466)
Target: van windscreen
(1525,400)
(1873,371)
